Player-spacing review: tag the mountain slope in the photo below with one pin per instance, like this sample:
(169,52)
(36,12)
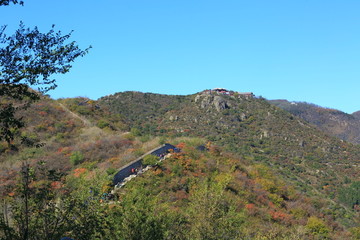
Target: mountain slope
(339,124)
(72,131)
(266,173)
(252,127)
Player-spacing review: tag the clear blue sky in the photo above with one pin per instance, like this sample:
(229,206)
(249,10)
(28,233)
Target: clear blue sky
(297,50)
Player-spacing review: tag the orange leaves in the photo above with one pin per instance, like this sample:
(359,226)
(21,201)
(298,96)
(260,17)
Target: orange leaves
(280,216)
(181,145)
(250,206)
(251,209)
(66,151)
(79,171)
(56,185)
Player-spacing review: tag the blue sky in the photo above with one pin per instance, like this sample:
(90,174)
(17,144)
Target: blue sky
(296,50)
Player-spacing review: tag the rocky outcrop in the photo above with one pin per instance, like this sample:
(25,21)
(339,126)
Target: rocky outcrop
(207,101)
(220,103)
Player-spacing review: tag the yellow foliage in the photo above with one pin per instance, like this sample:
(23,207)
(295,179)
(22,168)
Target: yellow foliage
(317,227)
(223,179)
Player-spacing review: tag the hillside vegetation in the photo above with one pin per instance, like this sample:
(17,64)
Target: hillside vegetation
(261,173)
(334,122)
(250,127)
(71,131)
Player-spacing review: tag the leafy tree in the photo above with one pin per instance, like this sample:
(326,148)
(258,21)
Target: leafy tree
(138,217)
(7,2)
(29,58)
(212,215)
(42,208)
(32,212)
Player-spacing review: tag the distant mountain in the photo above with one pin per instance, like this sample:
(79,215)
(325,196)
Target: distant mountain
(334,122)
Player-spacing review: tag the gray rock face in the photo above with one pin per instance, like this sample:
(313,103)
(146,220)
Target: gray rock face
(207,101)
(220,103)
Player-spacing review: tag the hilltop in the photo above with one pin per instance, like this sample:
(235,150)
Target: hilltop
(247,125)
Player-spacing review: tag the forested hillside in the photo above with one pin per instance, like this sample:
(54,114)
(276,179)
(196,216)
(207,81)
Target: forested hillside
(251,127)
(260,173)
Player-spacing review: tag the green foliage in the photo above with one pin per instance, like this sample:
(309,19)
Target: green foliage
(145,138)
(355,232)
(139,220)
(138,152)
(249,127)
(162,140)
(136,132)
(102,123)
(110,171)
(7,2)
(76,158)
(150,160)
(38,212)
(212,215)
(29,58)
(94,114)
(210,195)
(350,195)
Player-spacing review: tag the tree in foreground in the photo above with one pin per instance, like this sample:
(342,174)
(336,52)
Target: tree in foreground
(29,58)
(7,2)
(43,207)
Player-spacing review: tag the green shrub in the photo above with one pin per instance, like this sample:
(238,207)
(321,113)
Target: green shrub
(3,147)
(129,136)
(144,138)
(135,132)
(317,227)
(355,232)
(102,123)
(76,158)
(138,152)
(150,160)
(110,171)
(162,140)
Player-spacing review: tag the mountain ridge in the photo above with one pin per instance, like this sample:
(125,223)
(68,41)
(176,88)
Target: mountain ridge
(334,122)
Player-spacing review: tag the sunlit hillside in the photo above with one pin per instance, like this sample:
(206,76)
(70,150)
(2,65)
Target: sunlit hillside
(246,170)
